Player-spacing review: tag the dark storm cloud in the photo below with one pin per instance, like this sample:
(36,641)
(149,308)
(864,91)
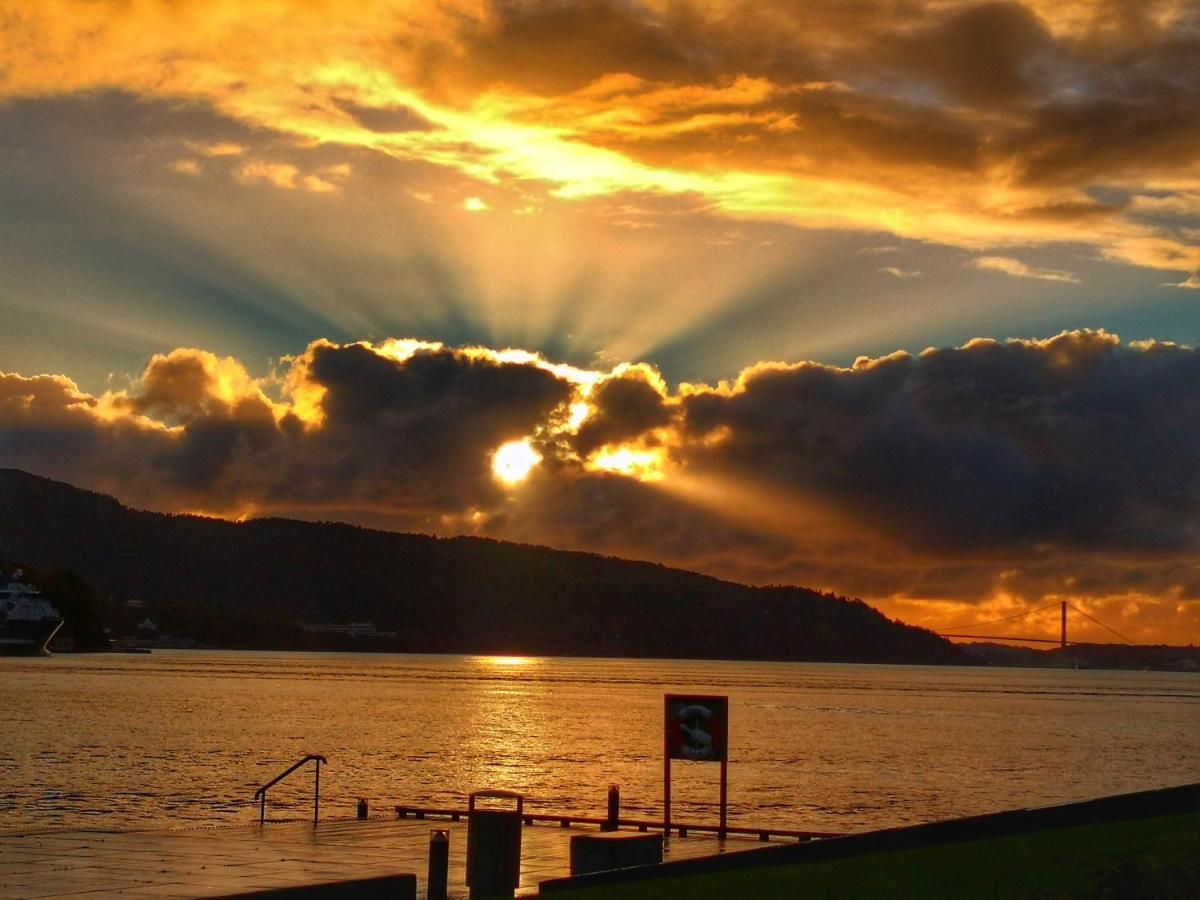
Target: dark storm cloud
(429,423)
(563,44)
(49,427)
(416,434)
(856,134)
(432,390)
(1022,469)
(1117,138)
(978,54)
(623,409)
(1074,441)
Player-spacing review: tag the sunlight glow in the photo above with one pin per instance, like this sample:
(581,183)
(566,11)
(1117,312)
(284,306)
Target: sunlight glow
(578,414)
(508,660)
(513,461)
(403,349)
(644,465)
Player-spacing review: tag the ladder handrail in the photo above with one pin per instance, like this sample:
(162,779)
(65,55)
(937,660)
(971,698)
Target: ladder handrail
(261,793)
(278,778)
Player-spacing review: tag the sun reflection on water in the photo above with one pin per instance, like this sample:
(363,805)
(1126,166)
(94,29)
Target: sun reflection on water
(505,736)
(508,660)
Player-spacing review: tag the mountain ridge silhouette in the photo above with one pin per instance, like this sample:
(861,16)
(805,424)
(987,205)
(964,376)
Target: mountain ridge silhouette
(456,594)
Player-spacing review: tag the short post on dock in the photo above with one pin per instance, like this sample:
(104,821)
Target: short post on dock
(439,864)
(613,822)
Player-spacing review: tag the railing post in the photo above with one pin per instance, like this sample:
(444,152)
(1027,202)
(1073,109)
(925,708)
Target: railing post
(317,793)
(261,793)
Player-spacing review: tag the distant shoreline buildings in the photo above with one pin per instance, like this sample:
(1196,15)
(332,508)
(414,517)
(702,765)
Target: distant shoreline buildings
(353,629)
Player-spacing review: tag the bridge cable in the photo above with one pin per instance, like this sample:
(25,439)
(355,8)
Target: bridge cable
(1029,612)
(1101,624)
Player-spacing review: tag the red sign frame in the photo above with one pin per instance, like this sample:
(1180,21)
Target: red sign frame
(695,729)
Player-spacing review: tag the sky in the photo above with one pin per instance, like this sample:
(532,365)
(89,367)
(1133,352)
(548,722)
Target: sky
(890,298)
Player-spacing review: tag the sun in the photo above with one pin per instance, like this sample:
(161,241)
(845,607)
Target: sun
(513,461)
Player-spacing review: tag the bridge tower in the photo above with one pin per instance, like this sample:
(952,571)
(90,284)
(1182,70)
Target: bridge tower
(1064,625)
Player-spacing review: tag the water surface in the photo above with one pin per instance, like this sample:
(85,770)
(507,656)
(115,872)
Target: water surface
(183,738)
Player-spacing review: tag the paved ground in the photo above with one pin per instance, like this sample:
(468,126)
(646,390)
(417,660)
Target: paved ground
(214,862)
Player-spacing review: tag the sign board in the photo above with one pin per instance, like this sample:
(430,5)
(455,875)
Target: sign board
(697,727)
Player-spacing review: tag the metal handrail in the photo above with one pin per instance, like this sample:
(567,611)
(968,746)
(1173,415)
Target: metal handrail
(261,794)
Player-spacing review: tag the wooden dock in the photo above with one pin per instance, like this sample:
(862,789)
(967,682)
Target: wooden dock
(216,862)
(682,829)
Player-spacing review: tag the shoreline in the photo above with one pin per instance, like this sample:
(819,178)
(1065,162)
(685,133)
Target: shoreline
(149,647)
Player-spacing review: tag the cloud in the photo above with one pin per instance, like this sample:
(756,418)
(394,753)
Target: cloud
(360,426)
(992,473)
(971,124)
(187,385)
(186,167)
(1191,283)
(975,53)
(289,177)
(900,273)
(222,148)
(1015,444)
(622,407)
(1018,269)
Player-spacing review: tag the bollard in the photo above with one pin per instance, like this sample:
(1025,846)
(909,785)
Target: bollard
(613,822)
(362,807)
(439,864)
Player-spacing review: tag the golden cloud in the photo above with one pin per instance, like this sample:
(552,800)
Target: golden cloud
(969,124)
(1017,269)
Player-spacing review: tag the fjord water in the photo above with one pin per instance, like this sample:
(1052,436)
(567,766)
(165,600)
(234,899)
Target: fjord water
(183,738)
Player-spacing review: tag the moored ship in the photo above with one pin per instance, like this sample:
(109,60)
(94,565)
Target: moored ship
(27,622)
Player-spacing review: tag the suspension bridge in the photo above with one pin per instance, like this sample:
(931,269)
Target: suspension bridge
(958,631)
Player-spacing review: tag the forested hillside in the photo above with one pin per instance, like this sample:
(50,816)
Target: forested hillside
(453,594)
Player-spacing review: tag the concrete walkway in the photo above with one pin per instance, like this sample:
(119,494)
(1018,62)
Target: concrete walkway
(220,861)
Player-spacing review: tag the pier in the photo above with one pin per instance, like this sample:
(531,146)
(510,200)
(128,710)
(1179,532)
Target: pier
(682,829)
(237,860)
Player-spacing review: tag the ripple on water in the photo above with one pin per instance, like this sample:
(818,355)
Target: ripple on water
(185,737)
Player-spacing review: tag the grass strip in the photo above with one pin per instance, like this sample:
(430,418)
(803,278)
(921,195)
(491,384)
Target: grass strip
(1153,857)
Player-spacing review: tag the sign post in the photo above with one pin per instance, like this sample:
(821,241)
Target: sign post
(695,727)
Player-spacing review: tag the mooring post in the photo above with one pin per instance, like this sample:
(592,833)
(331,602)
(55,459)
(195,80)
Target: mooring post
(667,767)
(362,807)
(439,864)
(613,822)
(724,797)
